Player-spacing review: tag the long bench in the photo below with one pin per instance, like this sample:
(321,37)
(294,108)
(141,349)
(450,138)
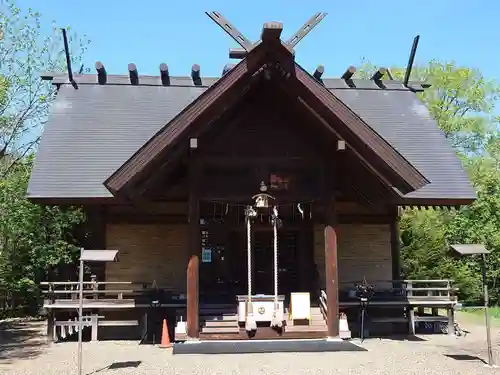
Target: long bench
(405,294)
(92,321)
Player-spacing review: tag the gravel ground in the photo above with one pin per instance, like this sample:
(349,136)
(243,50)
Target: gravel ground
(25,353)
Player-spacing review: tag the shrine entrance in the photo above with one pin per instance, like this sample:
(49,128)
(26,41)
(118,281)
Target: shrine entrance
(223,268)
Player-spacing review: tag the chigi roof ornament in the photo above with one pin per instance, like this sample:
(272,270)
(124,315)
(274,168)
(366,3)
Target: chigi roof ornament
(247,45)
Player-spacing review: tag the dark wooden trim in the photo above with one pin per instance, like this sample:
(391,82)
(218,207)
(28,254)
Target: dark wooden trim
(55,201)
(193,327)
(193,287)
(146,219)
(395,244)
(410,202)
(359,134)
(364,219)
(430,202)
(131,218)
(217,96)
(331,261)
(332,285)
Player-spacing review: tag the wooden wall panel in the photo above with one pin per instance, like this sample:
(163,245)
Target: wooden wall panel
(149,252)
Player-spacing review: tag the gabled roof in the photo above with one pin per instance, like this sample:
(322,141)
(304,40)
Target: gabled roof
(273,58)
(92,131)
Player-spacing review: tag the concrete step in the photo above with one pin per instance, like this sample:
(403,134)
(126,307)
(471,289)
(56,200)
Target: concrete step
(304,324)
(220,329)
(315,328)
(219,317)
(220,323)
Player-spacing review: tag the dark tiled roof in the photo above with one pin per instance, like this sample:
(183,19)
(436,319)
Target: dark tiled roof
(92,131)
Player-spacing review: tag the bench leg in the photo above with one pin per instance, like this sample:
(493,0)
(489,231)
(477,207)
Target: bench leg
(50,325)
(94,327)
(411,321)
(451,322)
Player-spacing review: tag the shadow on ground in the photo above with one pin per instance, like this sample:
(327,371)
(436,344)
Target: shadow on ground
(465,357)
(118,365)
(410,338)
(20,340)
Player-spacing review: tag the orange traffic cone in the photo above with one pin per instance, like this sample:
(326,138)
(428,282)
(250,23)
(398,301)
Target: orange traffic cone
(165,338)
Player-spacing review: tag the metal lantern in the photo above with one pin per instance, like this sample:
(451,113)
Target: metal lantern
(261,200)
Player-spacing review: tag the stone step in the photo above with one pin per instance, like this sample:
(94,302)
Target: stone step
(315,328)
(291,323)
(219,316)
(220,323)
(234,329)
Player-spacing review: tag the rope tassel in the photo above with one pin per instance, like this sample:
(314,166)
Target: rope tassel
(277,319)
(250,323)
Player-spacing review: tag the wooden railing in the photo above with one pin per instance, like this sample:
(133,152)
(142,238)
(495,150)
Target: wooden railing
(102,294)
(407,292)
(410,294)
(425,291)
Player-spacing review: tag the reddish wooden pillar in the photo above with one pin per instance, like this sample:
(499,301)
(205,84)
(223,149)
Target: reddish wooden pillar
(395,248)
(332,282)
(193,293)
(193,326)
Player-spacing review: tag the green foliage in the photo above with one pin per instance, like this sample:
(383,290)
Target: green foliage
(33,239)
(24,97)
(462,102)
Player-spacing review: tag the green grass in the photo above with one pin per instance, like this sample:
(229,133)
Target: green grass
(477,315)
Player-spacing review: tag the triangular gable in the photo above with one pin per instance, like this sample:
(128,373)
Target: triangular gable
(167,144)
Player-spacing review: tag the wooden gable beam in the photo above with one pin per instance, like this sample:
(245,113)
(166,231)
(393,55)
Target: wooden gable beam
(358,133)
(201,111)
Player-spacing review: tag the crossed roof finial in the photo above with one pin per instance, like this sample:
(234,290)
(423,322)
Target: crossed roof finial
(247,45)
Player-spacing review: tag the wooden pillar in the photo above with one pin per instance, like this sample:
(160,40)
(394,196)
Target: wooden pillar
(331,271)
(304,264)
(193,295)
(50,325)
(395,248)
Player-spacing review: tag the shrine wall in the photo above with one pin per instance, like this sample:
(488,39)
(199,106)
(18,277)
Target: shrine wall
(363,250)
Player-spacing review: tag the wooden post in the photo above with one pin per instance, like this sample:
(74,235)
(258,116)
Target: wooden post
(193,295)
(94,324)
(332,285)
(50,325)
(395,248)
(304,266)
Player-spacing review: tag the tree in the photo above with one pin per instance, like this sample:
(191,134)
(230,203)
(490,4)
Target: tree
(24,97)
(33,239)
(462,102)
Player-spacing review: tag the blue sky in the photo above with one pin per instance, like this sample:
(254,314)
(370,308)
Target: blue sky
(178,33)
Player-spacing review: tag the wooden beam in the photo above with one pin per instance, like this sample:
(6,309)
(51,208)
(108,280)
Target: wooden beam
(193,329)
(377,76)
(165,77)
(310,24)
(332,286)
(319,72)
(271,31)
(196,75)
(101,73)
(133,74)
(232,31)
(331,267)
(227,68)
(193,293)
(349,73)
(395,244)
(237,53)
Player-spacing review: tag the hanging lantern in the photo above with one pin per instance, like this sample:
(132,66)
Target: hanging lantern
(261,200)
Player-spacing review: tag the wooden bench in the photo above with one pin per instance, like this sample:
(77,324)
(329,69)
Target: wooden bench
(93,321)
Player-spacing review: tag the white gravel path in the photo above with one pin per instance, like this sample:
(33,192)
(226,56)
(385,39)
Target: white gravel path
(32,356)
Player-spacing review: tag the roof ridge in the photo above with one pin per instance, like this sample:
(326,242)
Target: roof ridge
(206,81)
